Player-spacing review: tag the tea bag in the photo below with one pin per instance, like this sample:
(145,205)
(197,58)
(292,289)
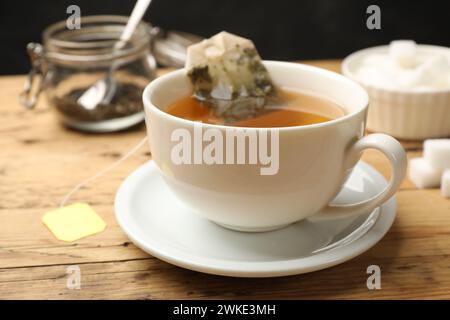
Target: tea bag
(73,222)
(227,73)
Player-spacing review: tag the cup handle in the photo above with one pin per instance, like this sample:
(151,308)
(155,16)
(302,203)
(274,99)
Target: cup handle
(394,151)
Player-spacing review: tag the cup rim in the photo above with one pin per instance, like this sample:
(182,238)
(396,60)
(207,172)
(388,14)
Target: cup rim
(152,87)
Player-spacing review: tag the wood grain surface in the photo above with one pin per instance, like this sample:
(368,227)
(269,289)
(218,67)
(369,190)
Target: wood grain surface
(41,161)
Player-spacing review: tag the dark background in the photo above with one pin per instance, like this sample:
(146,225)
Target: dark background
(281,29)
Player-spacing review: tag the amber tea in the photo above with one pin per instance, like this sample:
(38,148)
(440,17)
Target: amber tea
(286,109)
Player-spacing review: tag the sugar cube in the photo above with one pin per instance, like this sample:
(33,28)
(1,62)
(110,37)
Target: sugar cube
(422,174)
(432,71)
(445,184)
(437,153)
(403,52)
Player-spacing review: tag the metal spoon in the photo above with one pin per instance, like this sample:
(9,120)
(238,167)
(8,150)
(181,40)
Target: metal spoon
(103,90)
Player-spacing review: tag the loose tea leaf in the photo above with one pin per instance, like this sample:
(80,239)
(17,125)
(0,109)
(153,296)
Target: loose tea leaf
(126,101)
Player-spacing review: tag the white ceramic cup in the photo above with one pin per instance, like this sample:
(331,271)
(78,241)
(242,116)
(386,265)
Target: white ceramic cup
(313,164)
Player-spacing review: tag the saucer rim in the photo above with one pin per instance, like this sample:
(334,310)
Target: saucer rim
(251,269)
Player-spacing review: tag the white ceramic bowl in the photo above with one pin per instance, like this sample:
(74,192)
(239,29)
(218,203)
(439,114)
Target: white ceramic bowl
(405,114)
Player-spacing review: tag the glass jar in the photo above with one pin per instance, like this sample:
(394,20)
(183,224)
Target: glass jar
(73,66)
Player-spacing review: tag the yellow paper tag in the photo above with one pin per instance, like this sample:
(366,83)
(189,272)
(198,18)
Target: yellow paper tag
(73,222)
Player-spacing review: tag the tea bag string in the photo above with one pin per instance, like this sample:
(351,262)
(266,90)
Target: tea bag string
(102,172)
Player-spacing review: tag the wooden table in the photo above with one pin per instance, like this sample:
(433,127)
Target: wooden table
(41,161)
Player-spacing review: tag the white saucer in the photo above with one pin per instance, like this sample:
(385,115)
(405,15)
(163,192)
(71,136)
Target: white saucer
(159,224)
